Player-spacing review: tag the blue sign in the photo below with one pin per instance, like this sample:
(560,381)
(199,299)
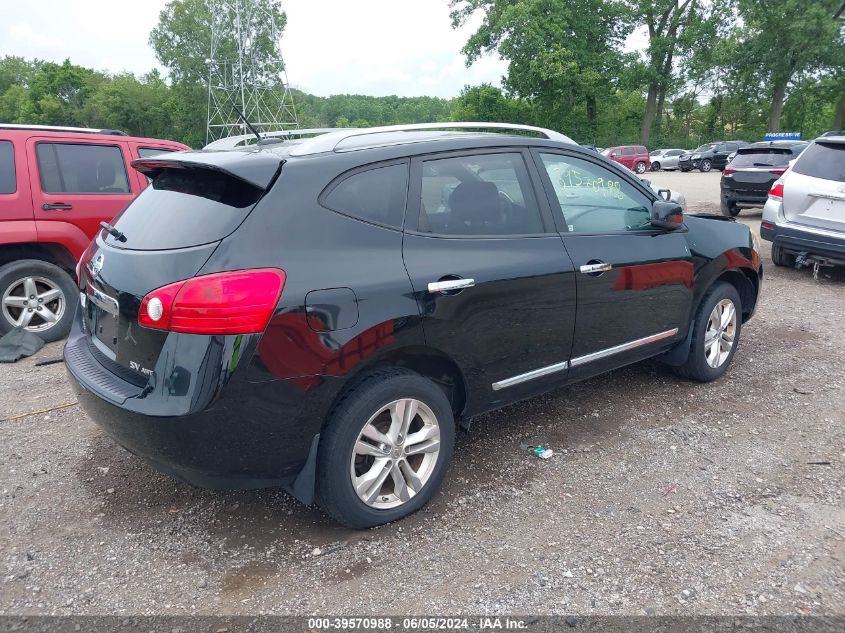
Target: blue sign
(782,136)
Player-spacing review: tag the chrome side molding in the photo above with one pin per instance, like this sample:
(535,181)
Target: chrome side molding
(582,360)
(624,347)
(531,375)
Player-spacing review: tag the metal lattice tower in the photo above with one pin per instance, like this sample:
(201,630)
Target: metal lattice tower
(246,71)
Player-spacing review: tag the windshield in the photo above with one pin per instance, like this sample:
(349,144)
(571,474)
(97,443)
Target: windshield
(705,147)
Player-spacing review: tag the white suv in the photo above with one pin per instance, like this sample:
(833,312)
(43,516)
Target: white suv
(804,217)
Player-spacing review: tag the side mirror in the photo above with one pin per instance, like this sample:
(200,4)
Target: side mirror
(615,154)
(667,215)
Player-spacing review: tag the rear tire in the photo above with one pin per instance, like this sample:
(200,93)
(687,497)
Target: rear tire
(781,257)
(715,337)
(640,167)
(360,446)
(39,296)
(655,166)
(730,209)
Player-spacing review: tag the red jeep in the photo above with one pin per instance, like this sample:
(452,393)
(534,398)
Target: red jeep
(634,157)
(56,185)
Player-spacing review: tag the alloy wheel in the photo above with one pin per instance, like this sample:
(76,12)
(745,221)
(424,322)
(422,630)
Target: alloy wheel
(395,453)
(33,303)
(720,334)
(640,168)
(706,165)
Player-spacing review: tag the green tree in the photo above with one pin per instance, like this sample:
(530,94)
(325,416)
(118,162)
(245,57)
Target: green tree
(785,40)
(564,55)
(488,103)
(182,39)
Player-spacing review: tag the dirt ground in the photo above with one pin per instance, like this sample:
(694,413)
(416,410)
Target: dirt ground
(663,497)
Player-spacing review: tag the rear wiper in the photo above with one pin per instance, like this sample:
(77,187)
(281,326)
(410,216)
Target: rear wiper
(120,237)
(764,164)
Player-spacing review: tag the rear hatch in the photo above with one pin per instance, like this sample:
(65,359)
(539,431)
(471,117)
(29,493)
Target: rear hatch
(814,191)
(166,235)
(753,170)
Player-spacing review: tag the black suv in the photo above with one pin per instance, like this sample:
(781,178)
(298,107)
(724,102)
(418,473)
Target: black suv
(709,156)
(746,180)
(322,314)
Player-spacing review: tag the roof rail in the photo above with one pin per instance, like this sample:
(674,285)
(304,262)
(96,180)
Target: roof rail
(231,142)
(60,128)
(331,142)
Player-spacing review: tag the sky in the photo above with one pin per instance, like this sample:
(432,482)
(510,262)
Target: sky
(375,47)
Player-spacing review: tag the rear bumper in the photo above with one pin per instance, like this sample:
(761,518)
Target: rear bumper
(747,197)
(204,422)
(796,240)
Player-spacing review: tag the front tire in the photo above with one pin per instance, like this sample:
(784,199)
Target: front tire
(640,167)
(705,165)
(781,258)
(715,335)
(37,296)
(385,449)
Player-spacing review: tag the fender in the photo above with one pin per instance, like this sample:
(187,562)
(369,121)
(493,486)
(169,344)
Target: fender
(18,231)
(68,235)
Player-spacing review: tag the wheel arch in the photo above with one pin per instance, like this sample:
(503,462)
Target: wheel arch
(747,284)
(49,252)
(426,361)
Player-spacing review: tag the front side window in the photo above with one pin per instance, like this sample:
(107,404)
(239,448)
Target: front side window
(7,168)
(484,194)
(77,168)
(375,195)
(594,199)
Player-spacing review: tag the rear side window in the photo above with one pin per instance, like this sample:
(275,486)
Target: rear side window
(76,168)
(769,157)
(7,168)
(823,160)
(375,195)
(185,207)
(629,151)
(483,194)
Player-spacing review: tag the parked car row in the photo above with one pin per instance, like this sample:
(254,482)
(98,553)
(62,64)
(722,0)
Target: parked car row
(705,158)
(57,185)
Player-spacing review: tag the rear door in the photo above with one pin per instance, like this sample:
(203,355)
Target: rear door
(629,155)
(15,200)
(79,183)
(814,191)
(634,281)
(495,287)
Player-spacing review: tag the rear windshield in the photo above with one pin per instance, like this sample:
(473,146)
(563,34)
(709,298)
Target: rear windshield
(823,160)
(185,207)
(769,157)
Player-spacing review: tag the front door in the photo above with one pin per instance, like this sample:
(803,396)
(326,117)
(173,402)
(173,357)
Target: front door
(77,184)
(495,286)
(634,281)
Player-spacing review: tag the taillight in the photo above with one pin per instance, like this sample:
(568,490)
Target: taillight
(233,302)
(778,172)
(776,192)
(727,171)
(767,225)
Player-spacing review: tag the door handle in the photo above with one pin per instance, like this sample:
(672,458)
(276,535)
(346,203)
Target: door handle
(446,285)
(596,267)
(47,206)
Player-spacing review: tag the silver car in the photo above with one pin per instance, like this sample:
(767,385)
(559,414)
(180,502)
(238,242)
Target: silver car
(665,159)
(804,217)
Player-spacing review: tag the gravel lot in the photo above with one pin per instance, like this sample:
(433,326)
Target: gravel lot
(662,497)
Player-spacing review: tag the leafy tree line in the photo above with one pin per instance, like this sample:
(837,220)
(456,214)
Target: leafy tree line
(710,69)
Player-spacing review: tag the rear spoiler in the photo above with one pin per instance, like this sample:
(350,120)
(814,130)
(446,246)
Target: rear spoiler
(256,168)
